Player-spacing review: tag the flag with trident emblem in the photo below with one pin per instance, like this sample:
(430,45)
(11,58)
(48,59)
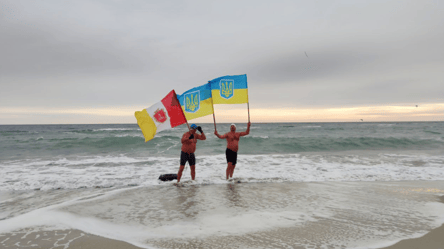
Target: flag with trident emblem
(230,89)
(196,102)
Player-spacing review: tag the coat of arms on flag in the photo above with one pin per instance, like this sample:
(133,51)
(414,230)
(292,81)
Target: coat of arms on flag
(163,115)
(229,89)
(226,88)
(160,115)
(192,101)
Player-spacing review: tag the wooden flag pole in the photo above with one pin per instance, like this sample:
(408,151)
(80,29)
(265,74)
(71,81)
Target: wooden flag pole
(214,120)
(248,107)
(188,126)
(214,117)
(212,106)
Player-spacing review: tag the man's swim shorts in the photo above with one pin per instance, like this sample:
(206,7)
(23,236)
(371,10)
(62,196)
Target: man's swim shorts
(231,156)
(185,157)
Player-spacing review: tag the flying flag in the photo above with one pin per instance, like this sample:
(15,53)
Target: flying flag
(230,89)
(163,115)
(197,102)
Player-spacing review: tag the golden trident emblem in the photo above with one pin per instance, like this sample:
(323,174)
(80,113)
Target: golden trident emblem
(192,103)
(227,89)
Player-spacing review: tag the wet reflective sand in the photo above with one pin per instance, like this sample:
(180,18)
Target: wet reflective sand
(236,215)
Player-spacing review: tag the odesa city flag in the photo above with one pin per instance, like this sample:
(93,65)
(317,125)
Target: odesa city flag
(196,102)
(230,89)
(161,116)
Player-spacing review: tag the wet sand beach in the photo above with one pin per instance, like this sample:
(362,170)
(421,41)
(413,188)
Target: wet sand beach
(432,240)
(78,240)
(252,215)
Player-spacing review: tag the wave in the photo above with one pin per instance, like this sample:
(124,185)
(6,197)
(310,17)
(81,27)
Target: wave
(433,132)
(128,135)
(336,129)
(253,145)
(117,129)
(14,131)
(121,171)
(263,137)
(386,125)
(103,130)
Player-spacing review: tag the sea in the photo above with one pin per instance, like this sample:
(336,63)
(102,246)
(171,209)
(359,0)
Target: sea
(370,184)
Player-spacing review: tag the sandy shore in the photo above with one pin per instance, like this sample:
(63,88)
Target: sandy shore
(432,240)
(263,215)
(73,239)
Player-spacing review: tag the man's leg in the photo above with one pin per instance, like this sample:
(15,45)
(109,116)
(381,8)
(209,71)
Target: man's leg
(179,174)
(193,172)
(233,163)
(232,170)
(229,166)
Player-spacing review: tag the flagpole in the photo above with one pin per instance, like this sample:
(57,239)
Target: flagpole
(214,117)
(212,106)
(248,107)
(214,120)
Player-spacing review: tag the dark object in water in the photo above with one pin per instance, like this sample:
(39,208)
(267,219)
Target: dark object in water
(168,177)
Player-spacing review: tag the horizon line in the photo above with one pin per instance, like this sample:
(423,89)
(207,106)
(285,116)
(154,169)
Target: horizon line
(247,122)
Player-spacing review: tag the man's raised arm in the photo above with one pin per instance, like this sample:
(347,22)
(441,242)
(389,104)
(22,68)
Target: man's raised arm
(219,136)
(202,135)
(244,133)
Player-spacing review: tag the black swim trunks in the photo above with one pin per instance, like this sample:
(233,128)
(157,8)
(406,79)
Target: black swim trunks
(185,157)
(231,156)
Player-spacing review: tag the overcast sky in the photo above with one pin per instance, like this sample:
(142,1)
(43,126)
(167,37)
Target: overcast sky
(98,61)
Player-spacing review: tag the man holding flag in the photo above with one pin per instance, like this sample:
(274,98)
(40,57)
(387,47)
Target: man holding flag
(169,113)
(189,140)
(197,102)
(232,146)
(230,89)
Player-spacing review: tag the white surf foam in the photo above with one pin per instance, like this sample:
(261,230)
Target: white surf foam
(117,129)
(107,171)
(344,206)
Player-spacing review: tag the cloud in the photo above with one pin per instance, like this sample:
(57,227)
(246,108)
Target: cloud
(87,54)
(63,51)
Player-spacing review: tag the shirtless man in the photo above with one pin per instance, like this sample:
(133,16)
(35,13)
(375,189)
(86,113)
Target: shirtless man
(232,146)
(189,140)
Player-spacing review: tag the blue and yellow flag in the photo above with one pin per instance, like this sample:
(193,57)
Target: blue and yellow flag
(196,102)
(230,89)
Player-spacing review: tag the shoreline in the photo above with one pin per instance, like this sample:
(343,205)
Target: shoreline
(252,205)
(431,240)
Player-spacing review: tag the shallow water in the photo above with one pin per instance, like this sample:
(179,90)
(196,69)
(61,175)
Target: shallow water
(85,156)
(248,215)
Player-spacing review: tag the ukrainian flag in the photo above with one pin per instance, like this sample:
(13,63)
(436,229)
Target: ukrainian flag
(230,89)
(197,102)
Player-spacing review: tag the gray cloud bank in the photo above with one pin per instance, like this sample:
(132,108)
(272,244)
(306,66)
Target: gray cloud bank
(91,53)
